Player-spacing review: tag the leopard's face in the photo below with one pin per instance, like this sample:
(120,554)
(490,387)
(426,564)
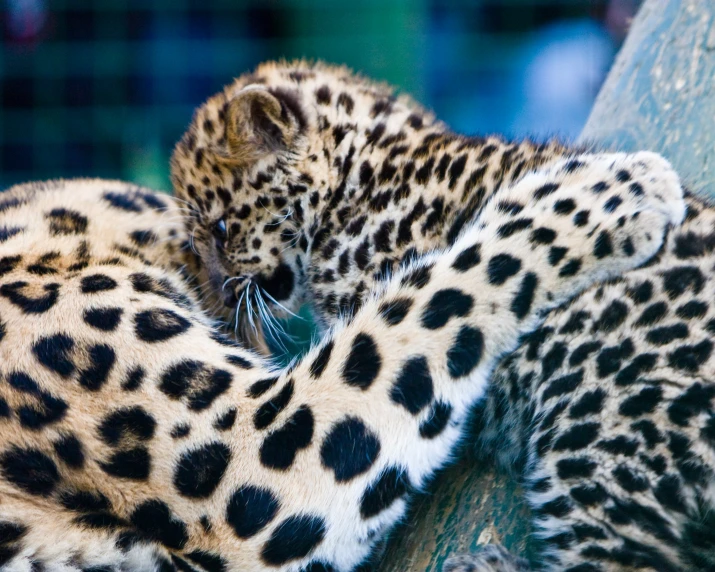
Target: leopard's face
(239,171)
(270,170)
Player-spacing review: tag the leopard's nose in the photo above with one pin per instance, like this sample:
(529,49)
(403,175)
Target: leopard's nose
(229,298)
(231,289)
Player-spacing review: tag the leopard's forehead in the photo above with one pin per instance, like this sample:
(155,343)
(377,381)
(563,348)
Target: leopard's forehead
(333,99)
(244,194)
(317,84)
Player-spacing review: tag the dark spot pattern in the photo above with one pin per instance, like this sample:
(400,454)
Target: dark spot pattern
(294,538)
(575,467)
(134,378)
(612,317)
(143,237)
(395,311)
(97,283)
(154,520)
(105,319)
(502,267)
(363,362)
(180,430)
(70,451)
(127,423)
(43,410)
(436,421)
(26,296)
(571,268)
(690,357)
(8,264)
(603,245)
(444,305)
(418,277)
(577,436)
(467,259)
(133,464)
(101,361)
(199,471)
(250,509)
(666,334)
(280,447)
(652,314)
(542,235)
(413,389)
(267,413)
(29,470)
(55,353)
(227,420)
(513,226)
(239,361)
(466,351)
(195,382)
(524,298)
(612,204)
(123,201)
(7,232)
(207,560)
(678,280)
(392,484)
(645,401)
(159,325)
(66,222)
(261,386)
(349,449)
(321,360)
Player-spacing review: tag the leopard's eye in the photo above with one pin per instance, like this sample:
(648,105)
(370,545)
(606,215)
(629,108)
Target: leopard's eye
(220,231)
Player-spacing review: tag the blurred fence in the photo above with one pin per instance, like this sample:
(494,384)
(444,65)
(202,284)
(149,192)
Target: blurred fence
(105,88)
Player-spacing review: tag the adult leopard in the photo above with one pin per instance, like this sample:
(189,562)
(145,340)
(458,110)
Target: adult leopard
(134,436)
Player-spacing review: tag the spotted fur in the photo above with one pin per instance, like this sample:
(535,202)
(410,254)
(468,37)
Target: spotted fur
(135,436)
(609,408)
(598,404)
(312,183)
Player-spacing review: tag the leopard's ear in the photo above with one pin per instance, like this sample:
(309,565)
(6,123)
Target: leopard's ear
(257,124)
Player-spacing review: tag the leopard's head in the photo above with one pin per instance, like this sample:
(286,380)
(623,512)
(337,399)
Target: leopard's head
(243,174)
(256,171)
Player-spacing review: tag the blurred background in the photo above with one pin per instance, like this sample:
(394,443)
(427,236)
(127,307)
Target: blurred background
(105,88)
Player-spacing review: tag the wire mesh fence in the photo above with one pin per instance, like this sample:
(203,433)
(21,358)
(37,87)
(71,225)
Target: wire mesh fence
(106,88)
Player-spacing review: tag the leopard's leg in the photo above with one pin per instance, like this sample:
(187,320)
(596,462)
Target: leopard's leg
(504,416)
(621,459)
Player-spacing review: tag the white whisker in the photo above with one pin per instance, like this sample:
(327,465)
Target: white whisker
(282,218)
(293,242)
(277,303)
(191,243)
(269,323)
(249,307)
(184,202)
(275,323)
(228,280)
(238,310)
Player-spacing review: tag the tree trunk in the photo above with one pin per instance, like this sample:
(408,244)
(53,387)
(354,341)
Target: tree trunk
(660,93)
